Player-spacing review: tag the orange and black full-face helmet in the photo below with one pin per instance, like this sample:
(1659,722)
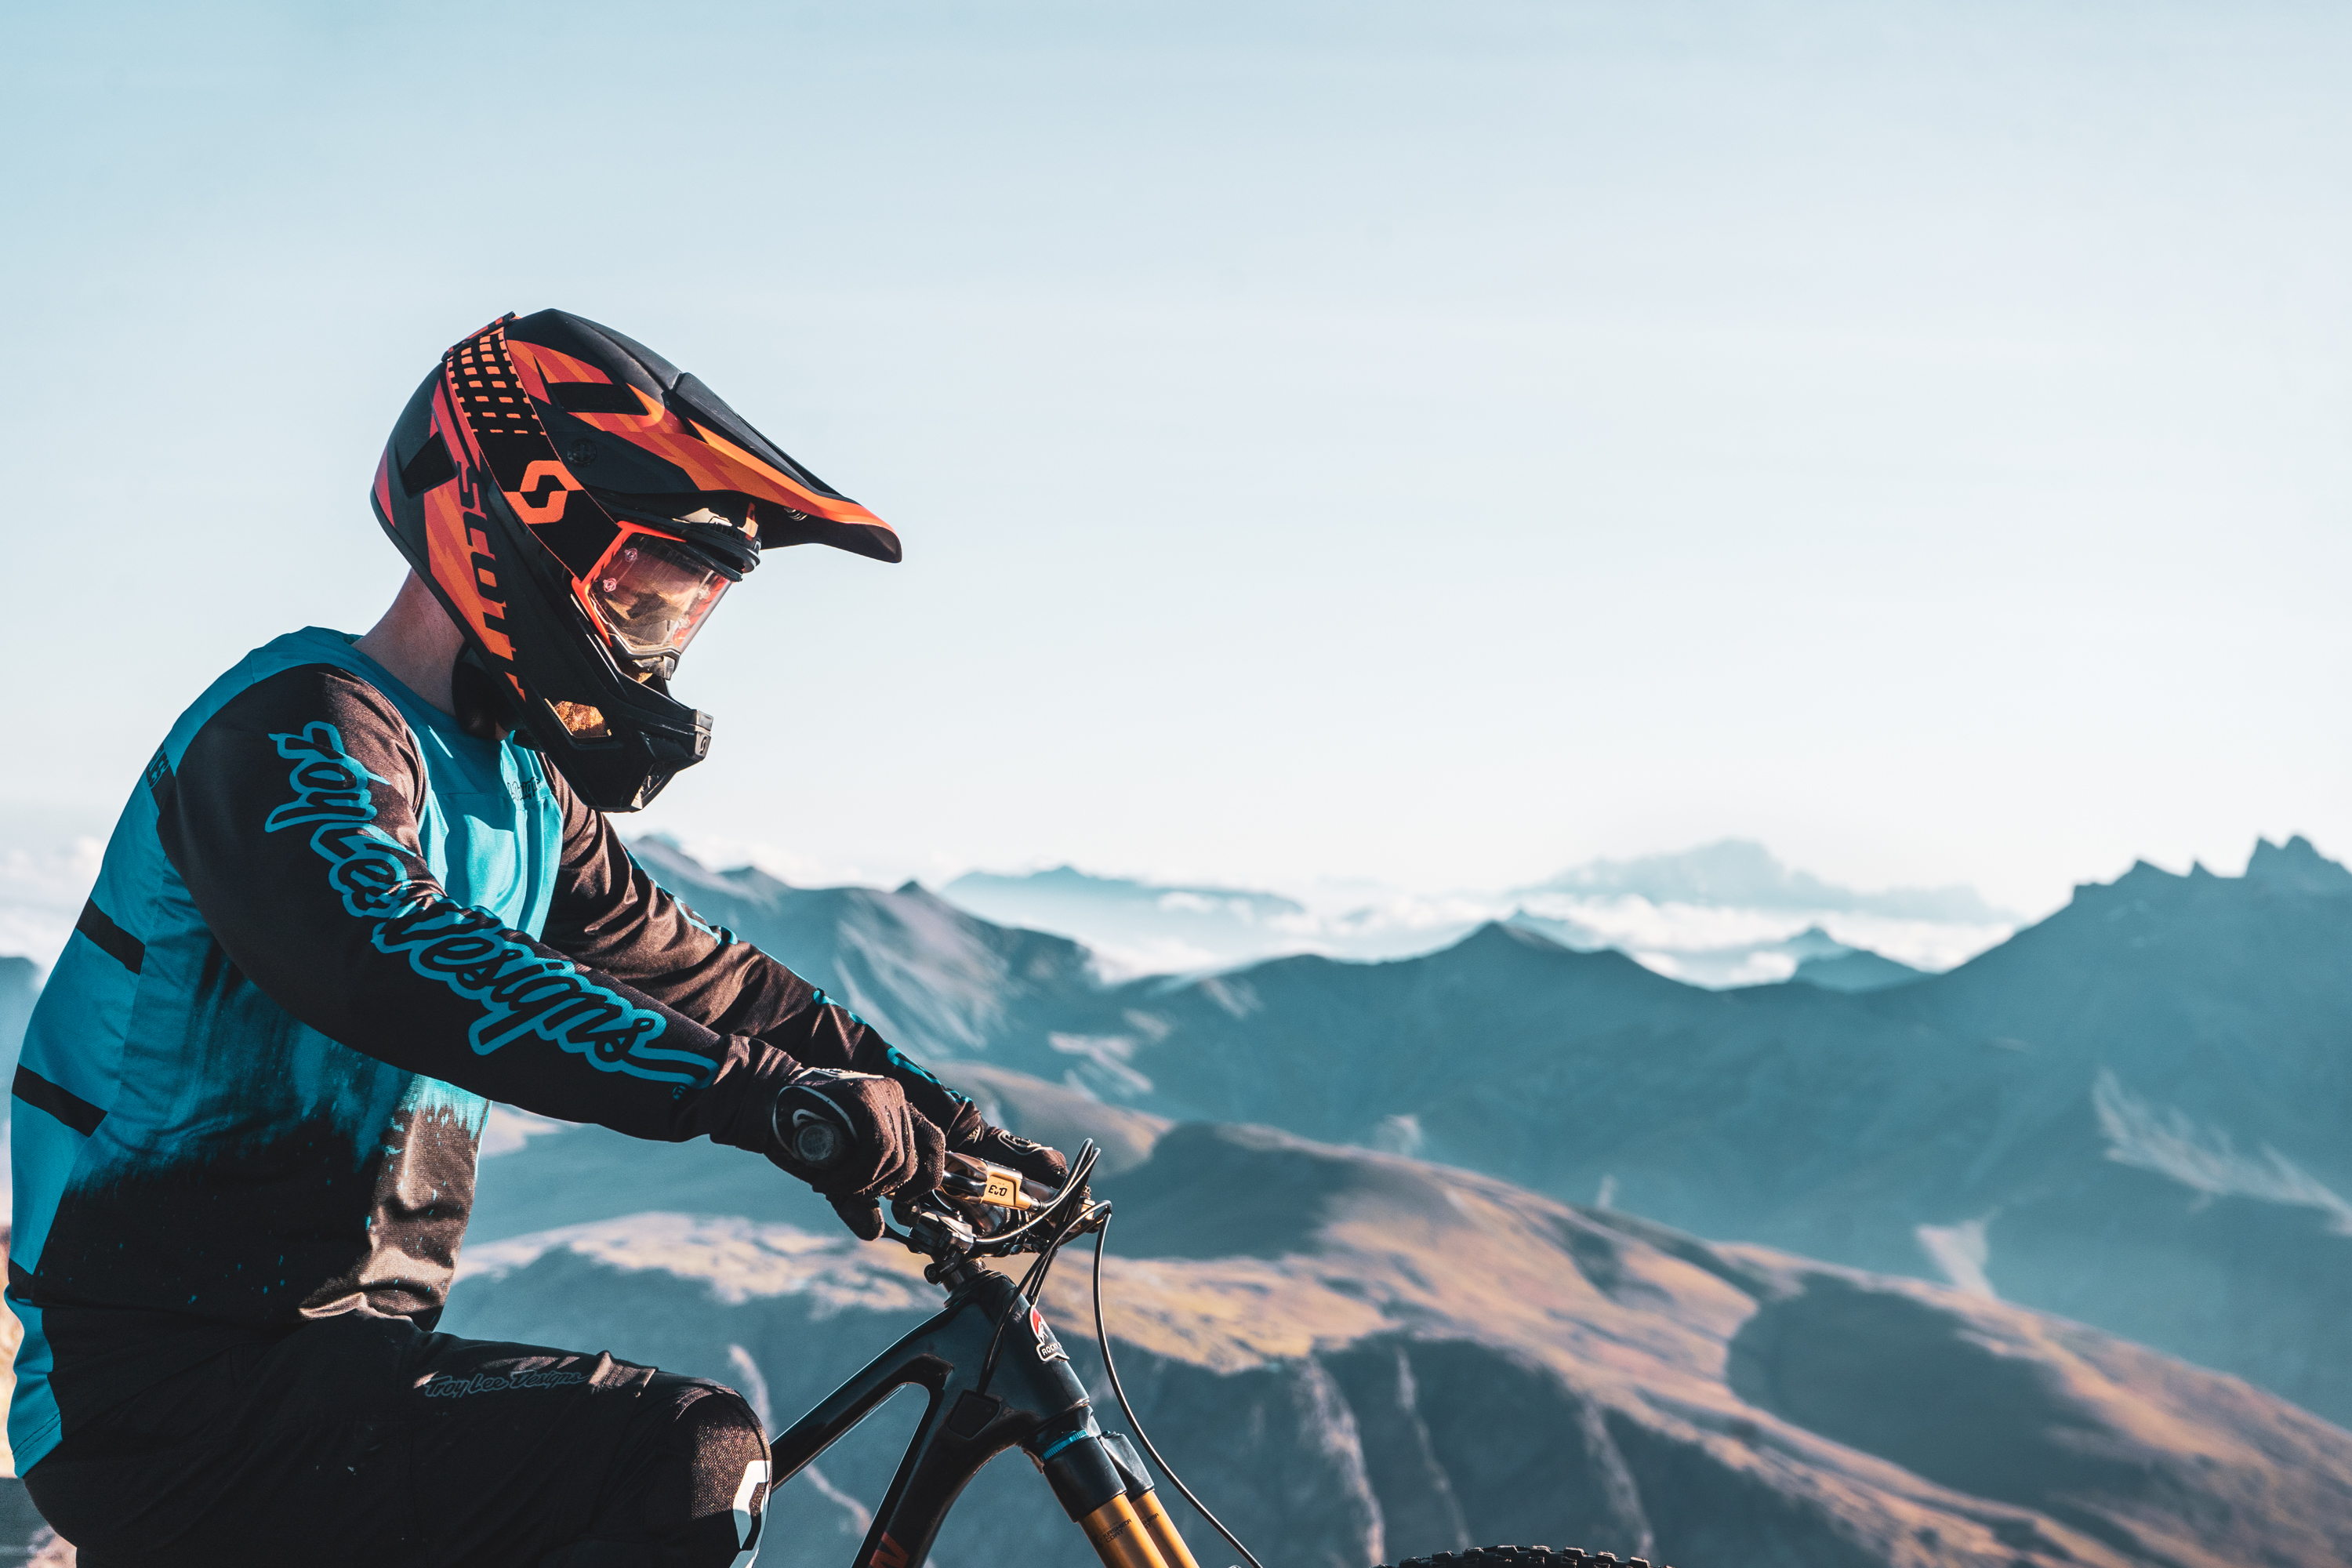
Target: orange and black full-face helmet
(578,505)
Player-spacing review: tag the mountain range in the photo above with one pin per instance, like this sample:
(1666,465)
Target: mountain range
(1136,927)
(2129,1113)
(1812,957)
(1357,1357)
(1721,914)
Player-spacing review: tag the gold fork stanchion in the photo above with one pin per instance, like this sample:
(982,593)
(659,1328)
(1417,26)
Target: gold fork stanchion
(1144,1498)
(1120,1537)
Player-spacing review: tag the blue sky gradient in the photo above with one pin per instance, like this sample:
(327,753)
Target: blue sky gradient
(1435,444)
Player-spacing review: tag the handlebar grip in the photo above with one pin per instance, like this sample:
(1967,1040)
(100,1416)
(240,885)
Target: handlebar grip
(820,1143)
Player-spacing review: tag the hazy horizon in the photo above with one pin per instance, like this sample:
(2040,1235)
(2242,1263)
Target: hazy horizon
(1647,906)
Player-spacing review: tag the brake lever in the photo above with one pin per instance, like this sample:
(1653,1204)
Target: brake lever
(976,1182)
(947,1221)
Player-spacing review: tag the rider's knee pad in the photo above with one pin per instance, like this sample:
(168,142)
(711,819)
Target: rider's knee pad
(690,1489)
(709,1496)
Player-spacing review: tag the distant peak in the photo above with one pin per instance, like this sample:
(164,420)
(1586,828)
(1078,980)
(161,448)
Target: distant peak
(1511,932)
(2296,866)
(1496,939)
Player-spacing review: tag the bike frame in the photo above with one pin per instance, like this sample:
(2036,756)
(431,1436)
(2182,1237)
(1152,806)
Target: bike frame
(997,1378)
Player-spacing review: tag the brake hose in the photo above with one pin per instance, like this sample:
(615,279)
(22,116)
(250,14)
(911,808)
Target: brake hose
(1034,1281)
(1102,1338)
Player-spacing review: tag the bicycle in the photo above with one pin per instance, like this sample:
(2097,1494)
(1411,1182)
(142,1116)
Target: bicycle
(998,1378)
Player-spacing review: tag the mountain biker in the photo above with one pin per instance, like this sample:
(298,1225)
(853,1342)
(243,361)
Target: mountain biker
(367,886)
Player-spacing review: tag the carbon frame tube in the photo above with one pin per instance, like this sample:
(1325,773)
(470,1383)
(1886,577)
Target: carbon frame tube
(1032,1399)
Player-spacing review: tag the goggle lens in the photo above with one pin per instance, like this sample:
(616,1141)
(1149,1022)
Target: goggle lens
(653,594)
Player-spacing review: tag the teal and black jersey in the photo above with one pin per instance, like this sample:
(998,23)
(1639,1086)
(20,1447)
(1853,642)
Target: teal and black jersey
(330,928)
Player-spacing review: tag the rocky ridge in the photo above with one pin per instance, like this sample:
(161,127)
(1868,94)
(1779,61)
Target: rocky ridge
(1357,1357)
(2129,1113)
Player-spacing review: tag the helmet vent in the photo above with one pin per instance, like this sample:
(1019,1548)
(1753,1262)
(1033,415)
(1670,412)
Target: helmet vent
(595,397)
(483,378)
(430,469)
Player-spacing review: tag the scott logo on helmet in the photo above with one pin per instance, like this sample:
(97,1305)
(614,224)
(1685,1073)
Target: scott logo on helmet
(541,472)
(522,990)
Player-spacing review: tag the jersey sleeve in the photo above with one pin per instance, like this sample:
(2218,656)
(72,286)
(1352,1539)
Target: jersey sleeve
(610,915)
(292,818)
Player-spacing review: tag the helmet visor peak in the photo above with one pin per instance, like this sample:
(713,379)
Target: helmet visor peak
(652,594)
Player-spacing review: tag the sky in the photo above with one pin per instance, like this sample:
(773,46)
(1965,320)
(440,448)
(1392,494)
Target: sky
(1433,445)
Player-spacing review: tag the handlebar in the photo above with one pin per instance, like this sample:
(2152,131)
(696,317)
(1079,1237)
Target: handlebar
(951,1226)
(979,1210)
(820,1143)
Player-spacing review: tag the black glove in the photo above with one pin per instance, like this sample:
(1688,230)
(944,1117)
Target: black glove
(956,1116)
(886,1146)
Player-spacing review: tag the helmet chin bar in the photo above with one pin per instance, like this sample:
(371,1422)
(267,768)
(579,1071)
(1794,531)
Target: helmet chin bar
(624,768)
(625,771)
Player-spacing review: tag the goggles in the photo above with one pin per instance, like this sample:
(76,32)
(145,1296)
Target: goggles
(653,594)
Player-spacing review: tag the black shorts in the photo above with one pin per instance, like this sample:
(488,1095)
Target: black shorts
(360,1441)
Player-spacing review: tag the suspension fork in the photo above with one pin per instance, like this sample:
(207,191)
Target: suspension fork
(1102,1485)
(1145,1500)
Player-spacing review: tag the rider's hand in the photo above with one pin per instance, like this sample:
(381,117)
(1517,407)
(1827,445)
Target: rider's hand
(960,1119)
(891,1146)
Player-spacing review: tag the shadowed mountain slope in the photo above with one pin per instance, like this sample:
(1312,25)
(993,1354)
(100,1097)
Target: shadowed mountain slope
(921,969)
(1358,1356)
